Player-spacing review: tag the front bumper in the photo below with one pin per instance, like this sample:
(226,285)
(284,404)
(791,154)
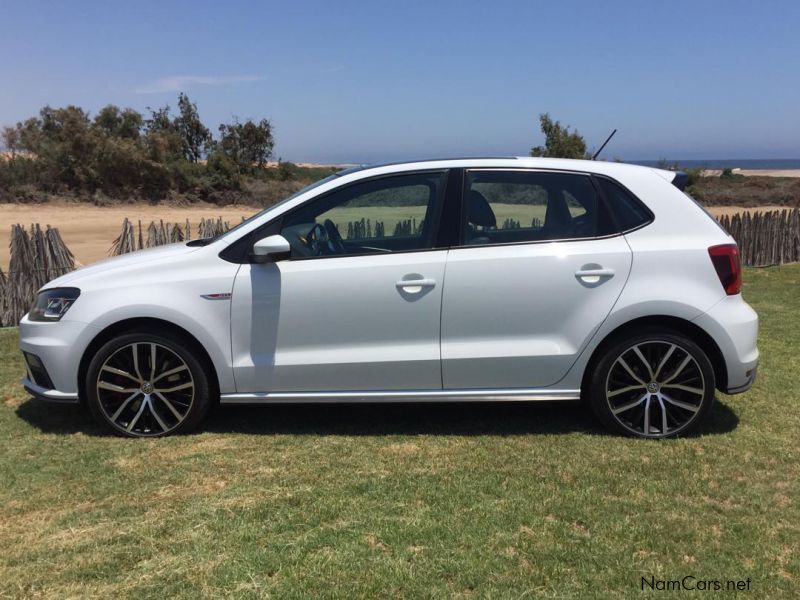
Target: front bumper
(59,347)
(41,393)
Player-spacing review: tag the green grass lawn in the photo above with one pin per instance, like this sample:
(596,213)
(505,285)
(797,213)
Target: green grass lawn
(387,501)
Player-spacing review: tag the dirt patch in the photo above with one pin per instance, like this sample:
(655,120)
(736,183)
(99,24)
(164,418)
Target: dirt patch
(755,172)
(89,230)
(719,211)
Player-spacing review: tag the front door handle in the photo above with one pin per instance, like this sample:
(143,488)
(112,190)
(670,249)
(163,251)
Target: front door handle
(594,273)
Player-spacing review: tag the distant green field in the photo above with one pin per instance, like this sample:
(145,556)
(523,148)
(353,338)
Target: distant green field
(507,500)
(391,215)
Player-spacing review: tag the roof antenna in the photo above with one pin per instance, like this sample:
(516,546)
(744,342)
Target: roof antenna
(608,139)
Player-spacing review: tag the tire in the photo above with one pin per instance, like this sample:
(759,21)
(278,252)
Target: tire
(132,398)
(654,384)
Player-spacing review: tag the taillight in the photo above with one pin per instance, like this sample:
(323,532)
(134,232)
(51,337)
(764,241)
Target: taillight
(728,266)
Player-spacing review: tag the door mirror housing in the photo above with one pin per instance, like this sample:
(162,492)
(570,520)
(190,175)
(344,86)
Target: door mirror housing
(271,249)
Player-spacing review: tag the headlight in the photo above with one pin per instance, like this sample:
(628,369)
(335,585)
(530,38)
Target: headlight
(52,304)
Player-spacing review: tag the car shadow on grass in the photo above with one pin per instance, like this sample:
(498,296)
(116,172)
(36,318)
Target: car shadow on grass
(502,418)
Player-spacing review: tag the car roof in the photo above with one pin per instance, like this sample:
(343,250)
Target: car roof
(612,169)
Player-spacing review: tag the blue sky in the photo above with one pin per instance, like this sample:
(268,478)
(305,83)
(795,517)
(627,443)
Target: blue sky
(369,81)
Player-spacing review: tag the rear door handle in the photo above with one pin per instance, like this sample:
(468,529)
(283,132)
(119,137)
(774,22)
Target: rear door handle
(593,275)
(411,283)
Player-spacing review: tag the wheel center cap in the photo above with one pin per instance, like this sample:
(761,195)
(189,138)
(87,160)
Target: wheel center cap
(147,387)
(653,387)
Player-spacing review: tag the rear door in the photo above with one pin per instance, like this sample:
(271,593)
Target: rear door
(537,270)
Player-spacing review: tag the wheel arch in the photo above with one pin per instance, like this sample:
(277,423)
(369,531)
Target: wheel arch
(697,334)
(149,324)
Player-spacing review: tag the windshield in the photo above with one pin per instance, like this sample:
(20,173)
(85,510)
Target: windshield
(261,212)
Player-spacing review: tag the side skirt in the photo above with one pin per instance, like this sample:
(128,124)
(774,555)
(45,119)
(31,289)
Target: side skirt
(507,395)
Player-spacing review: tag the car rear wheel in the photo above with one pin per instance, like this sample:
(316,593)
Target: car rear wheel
(147,384)
(652,385)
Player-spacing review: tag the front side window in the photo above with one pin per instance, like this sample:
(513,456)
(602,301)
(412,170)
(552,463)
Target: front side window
(390,214)
(528,206)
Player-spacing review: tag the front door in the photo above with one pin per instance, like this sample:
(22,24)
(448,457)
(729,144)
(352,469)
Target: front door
(538,271)
(357,306)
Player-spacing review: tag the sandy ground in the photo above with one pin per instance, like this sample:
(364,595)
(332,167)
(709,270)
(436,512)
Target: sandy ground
(756,172)
(90,230)
(732,210)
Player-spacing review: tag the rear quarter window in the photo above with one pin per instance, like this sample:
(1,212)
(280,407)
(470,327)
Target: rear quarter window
(629,212)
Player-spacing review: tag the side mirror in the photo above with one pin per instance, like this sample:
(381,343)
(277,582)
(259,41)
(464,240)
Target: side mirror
(271,249)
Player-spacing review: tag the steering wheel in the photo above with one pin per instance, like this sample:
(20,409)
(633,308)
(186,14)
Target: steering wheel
(324,240)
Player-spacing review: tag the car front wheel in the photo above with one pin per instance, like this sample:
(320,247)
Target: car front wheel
(652,385)
(147,384)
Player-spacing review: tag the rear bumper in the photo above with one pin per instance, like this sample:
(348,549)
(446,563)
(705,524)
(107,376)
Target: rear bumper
(734,326)
(743,388)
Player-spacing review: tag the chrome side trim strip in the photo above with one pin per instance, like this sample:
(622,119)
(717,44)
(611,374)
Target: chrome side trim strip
(45,394)
(494,395)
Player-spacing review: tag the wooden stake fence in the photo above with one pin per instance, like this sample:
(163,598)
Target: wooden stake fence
(766,238)
(159,233)
(36,258)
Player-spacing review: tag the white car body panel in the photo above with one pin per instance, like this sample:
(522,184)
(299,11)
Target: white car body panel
(501,334)
(166,284)
(346,316)
(500,322)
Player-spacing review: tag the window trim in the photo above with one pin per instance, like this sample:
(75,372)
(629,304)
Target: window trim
(276,225)
(463,221)
(449,223)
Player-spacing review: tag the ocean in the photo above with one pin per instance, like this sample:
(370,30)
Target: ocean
(738,163)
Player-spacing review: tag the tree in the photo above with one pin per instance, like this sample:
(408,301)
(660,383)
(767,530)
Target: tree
(559,142)
(11,140)
(195,137)
(113,122)
(62,141)
(124,153)
(247,144)
(163,140)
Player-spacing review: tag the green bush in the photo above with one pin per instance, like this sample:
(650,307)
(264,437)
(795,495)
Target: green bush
(120,154)
(223,173)
(695,175)
(156,180)
(729,175)
(18,171)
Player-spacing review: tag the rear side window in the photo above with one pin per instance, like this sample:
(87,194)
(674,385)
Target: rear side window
(505,207)
(628,211)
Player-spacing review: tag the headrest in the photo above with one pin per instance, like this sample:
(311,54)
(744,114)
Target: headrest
(479,212)
(557,216)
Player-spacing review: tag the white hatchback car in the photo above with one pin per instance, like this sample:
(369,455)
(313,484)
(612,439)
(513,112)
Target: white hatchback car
(450,280)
